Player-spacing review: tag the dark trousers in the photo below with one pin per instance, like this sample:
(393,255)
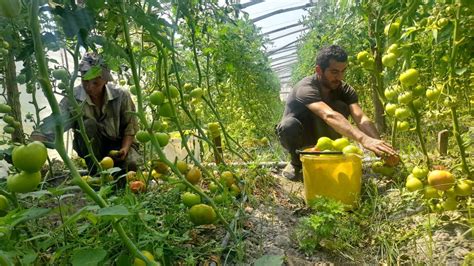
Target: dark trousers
(101,146)
(298,133)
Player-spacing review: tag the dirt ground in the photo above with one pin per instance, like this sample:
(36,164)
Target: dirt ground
(272,223)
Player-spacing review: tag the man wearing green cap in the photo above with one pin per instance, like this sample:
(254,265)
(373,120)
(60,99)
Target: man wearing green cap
(107,112)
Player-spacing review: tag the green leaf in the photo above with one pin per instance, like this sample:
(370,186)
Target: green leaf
(408,32)
(114,211)
(29,257)
(155,26)
(108,45)
(88,256)
(123,260)
(39,194)
(461,71)
(14,218)
(82,213)
(57,191)
(269,260)
(94,72)
(5,258)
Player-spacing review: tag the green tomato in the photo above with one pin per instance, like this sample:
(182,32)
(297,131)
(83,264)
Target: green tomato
(8,119)
(166,110)
(409,77)
(405,98)
(60,74)
(5,45)
(369,64)
(418,90)
(162,138)
(30,158)
(363,56)
(196,93)
(390,94)
(393,49)
(390,108)
(5,108)
(174,92)
(62,86)
(187,86)
(9,129)
(21,79)
(391,29)
(352,149)
(442,22)
(419,172)
(418,103)
(142,136)
(3,203)
(402,113)
(389,60)
(190,199)
(433,94)
(23,182)
(340,143)
(157,98)
(403,126)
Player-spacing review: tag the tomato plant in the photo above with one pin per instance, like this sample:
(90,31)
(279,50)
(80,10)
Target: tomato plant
(200,76)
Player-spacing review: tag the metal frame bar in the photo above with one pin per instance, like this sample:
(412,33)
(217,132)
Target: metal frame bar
(279,11)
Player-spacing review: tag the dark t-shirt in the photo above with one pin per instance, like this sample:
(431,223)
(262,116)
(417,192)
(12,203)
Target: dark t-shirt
(307,91)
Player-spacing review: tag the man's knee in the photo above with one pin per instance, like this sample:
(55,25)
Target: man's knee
(290,133)
(289,127)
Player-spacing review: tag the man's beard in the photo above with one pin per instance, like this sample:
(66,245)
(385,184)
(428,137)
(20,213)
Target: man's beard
(331,85)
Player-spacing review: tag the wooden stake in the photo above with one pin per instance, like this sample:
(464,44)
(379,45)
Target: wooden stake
(443,142)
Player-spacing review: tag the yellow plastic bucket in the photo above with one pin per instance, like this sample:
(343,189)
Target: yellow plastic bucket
(334,176)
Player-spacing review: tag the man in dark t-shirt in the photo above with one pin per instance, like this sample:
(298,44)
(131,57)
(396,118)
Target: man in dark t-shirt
(319,105)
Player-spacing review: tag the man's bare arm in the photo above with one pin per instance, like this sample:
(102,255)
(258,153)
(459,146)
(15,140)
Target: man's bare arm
(342,126)
(363,122)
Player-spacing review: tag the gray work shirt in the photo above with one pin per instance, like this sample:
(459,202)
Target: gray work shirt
(308,91)
(115,119)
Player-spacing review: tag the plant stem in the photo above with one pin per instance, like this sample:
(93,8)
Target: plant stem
(154,141)
(59,129)
(195,56)
(78,109)
(452,72)
(430,240)
(420,135)
(394,133)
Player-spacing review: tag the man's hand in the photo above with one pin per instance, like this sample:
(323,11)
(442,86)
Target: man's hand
(123,152)
(38,137)
(126,144)
(379,147)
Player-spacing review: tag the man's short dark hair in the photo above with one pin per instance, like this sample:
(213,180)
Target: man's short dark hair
(327,53)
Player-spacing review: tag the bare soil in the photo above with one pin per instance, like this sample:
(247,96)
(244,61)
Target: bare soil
(273,220)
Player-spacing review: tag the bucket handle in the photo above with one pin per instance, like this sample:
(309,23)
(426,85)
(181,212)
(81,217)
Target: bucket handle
(299,152)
